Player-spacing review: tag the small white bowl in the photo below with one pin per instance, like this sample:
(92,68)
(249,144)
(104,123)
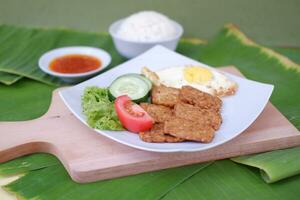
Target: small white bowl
(46,58)
(130,49)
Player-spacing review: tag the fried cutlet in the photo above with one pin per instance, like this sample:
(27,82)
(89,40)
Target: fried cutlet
(189,130)
(157,135)
(158,113)
(166,96)
(209,117)
(198,98)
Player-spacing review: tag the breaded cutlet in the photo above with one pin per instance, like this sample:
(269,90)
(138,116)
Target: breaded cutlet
(157,135)
(189,130)
(163,95)
(198,98)
(207,116)
(158,113)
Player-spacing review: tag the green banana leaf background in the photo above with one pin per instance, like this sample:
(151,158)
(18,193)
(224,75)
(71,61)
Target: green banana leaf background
(270,175)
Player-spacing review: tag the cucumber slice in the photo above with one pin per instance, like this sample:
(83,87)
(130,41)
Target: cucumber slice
(144,78)
(133,85)
(141,77)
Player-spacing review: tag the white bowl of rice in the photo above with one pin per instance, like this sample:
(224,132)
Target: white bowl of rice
(143,30)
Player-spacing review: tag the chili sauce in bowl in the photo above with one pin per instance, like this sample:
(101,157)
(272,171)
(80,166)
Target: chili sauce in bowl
(74,64)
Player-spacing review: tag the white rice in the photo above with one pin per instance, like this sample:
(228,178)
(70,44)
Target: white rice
(147,26)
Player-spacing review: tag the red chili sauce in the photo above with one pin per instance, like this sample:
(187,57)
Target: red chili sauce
(75,63)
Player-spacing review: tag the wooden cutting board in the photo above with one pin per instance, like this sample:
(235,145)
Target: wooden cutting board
(88,156)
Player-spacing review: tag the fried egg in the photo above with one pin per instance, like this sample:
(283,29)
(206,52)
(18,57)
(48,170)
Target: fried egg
(202,78)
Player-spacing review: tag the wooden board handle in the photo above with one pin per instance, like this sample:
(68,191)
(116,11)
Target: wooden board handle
(20,138)
(26,137)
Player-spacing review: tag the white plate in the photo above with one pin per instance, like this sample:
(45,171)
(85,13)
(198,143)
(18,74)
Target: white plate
(238,111)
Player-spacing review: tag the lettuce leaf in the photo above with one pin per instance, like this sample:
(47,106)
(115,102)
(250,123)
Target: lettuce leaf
(99,110)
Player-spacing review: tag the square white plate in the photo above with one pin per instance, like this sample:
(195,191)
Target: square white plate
(238,111)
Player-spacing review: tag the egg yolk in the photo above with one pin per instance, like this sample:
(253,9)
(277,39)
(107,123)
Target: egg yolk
(196,74)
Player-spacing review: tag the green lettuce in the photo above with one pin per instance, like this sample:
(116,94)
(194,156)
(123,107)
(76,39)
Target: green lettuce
(99,110)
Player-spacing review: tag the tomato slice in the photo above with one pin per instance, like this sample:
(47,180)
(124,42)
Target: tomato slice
(132,116)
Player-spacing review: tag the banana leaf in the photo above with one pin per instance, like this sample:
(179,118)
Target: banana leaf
(229,181)
(232,47)
(26,99)
(292,53)
(4,195)
(212,181)
(8,79)
(274,165)
(22,47)
(54,183)
(28,163)
(9,40)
